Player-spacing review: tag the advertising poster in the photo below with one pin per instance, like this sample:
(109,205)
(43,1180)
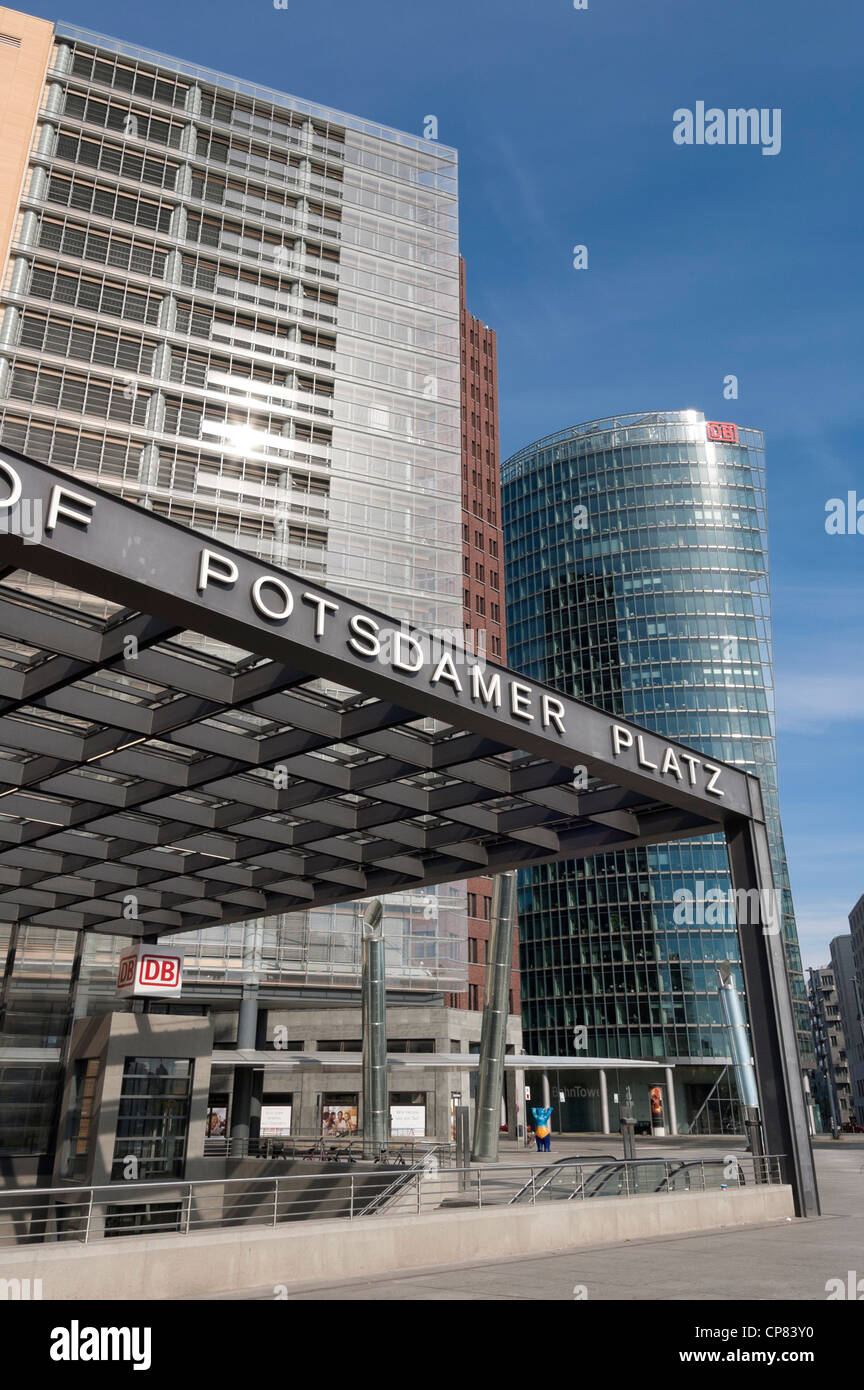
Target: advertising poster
(275,1121)
(338,1121)
(408,1121)
(217,1121)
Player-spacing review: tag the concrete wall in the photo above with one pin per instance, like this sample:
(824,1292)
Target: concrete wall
(451,1030)
(172,1267)
(112,1038)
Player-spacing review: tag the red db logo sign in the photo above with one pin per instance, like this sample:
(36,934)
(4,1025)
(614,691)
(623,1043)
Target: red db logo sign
(721,432)
(161,971)
(149,971)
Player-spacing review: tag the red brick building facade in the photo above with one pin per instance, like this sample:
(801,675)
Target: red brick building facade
(482,579)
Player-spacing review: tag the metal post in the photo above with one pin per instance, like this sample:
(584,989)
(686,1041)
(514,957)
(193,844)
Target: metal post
(463,1144)
(604,1103)
(769,1005)
(670,1098)
(627,1122)
(739,1041)
(493,1033)
(241,1092)
(373,988)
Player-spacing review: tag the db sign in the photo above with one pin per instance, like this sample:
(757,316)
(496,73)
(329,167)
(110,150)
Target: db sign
(150,972)
(721,432)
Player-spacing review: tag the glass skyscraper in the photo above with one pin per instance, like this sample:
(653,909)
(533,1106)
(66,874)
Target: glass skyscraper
(241,310)
(637,579)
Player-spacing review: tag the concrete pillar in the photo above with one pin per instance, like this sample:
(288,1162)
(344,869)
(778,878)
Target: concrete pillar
(179,221)
(192,105)
(168,313)
(155,419)
(545,1098)
(242,1097)
(604,1103)
(670,1101)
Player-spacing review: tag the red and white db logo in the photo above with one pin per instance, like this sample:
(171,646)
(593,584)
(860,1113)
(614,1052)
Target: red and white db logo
(721,432)
(161,971)
(146,970)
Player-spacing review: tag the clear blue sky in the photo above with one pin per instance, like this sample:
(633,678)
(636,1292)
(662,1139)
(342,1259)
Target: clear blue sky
(703,261)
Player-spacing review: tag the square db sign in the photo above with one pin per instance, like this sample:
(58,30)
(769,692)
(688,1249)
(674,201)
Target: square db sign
(150,972)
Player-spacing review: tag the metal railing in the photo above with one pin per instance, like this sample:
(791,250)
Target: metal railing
(84,1214)
(337,1148)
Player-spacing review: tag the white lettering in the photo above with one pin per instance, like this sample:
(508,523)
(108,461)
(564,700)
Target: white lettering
(321,605)
(671,764)
(491,694)
(712,781)
(621,739)
(74,508)
(219,568)
(398,662)
(367,628)
(553,712)
(14,485)
(520,701)
(692,763)
(640,753)
(270,580)
(446,671)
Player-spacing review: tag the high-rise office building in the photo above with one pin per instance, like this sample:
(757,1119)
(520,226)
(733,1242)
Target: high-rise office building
(830,1080)
(482,576)
(852,1019)
(241,310)
(637,579)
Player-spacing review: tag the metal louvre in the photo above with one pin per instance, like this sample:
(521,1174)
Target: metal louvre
(147,762)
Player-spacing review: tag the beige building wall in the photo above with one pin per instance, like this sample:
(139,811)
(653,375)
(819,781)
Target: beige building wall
(23,65)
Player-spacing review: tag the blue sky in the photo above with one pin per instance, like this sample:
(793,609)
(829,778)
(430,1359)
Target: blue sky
(702,261)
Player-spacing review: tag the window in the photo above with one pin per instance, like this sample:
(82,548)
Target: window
(340,1045)
(474,997)
(154,1117)
(472,950)
(410,1044)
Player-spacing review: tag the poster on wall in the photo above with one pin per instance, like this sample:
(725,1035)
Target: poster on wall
(275,1121)
(408,1121)
(339,1120)
(217,1122)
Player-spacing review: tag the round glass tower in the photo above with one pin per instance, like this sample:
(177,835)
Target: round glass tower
(637,579)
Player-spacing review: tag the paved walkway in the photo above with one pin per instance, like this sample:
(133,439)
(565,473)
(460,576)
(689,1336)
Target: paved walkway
(792,1259)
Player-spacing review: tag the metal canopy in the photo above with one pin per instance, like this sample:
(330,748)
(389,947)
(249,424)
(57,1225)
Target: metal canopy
(190,737)
(176,744)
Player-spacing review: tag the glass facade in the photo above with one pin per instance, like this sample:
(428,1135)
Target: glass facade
(637,579)
(241,310)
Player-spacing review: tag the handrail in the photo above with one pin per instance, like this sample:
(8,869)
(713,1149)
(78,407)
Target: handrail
(81,1212)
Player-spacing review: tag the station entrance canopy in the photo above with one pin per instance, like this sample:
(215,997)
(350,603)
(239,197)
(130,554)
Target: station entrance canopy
(309,751)
(221,740)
